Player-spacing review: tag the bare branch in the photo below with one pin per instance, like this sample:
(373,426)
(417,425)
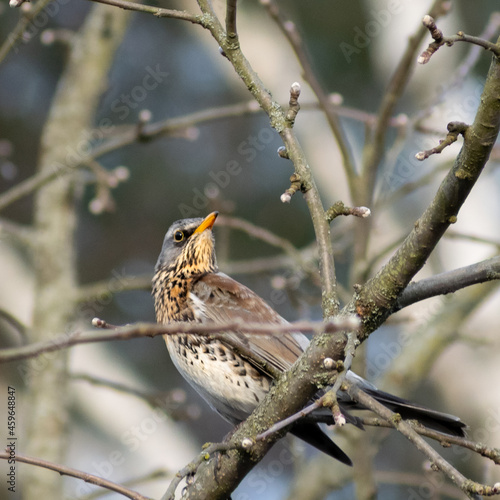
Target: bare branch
(23,234)
(381,292)
(440,40)
(339,208)
(20,327)
(231,31)
(374,148)
(18,32)
(154,329)
(454,130)
(151,476)
(469,487)
(449,282)
(156,11)
(470,237)
(289,29)
(444,439)
(84,476)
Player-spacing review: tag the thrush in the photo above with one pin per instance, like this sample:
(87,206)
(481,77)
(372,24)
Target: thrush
(188,286)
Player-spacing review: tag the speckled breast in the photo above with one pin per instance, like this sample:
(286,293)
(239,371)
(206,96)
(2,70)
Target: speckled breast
(227,382)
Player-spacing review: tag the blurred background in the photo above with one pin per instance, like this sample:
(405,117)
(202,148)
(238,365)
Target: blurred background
(231,165)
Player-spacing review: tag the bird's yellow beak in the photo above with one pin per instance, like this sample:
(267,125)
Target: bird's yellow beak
(207,223)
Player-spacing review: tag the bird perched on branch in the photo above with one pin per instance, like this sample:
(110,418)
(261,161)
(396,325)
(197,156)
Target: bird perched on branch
(187,286)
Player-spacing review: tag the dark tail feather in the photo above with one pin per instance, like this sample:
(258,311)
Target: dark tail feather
(312,434)
(442,422)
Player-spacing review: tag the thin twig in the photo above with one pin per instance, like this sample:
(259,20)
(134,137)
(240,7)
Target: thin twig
(156,11)
(29,185)
(154,329)
(459,76)
(20,327)
(339,208)
(18,32)
(444,439)
(23,234)
(262,234)
(440,40)
(68,471)
(471,237)
(374,148)
(151,476)
(127,134)
(289,29)
(454,130)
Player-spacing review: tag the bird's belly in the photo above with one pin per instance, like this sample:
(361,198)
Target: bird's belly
(227,382)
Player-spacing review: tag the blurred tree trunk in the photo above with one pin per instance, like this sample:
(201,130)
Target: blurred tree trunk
(64,145)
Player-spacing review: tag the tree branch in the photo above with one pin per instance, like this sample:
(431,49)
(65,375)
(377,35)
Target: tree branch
(55,218)
(444,439)
(440,40)
(449,282)
(376,299)
(154,329)
(156,11)
(454,130)
(470,488)
(84,476)
(231,31)
(17,33)
(289,29)
(295,153)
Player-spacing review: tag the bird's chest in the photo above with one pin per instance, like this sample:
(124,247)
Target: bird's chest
(227,382)
(173,300)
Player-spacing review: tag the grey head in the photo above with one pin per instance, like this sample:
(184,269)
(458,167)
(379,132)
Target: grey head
(189,243)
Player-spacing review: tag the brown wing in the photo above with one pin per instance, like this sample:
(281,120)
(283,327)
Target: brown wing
(225,299)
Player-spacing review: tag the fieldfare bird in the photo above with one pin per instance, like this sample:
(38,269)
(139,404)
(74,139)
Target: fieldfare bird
(187,286)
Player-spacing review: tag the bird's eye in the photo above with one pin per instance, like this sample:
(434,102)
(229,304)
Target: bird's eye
(178,236)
